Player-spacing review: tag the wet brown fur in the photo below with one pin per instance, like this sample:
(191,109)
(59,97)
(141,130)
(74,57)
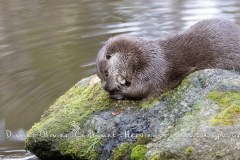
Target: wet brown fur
(153,66)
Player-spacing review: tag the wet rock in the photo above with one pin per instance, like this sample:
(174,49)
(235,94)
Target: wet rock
(197,120)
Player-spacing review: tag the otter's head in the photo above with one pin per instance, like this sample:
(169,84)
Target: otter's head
(121,66)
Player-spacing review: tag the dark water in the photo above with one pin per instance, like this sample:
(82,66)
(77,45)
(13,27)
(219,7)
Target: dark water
(46,46)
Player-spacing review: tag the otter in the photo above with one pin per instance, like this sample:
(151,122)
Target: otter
(134,68)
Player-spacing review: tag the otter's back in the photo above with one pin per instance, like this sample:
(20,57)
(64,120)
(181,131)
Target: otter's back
(213,43)
(224,37)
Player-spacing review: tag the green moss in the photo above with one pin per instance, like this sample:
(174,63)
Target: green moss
(143,139)
(229,116)
(188,151)
(229,111)
(149,102)
(70,109)
(86,148)
(138,152)
(76,105)
(155,156)
(225,98)
(123,151)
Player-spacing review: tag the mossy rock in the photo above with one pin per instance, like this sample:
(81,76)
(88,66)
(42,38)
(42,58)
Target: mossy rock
(53,134)
(212,124)
(123,151)
(155,156)
(138,152)
(229,103)
(56,134)
(170,126)
(188,151)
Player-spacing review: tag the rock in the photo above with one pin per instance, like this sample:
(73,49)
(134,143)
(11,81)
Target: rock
(197,120)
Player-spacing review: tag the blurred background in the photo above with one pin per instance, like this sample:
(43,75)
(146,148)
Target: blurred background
(46,46)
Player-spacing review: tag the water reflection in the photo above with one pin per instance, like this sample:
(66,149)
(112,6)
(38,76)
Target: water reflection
(47,46)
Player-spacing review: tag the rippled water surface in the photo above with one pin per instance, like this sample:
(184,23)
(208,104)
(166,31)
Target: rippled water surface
(46,46)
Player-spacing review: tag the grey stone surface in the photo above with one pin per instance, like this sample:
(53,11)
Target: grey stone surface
(179,124)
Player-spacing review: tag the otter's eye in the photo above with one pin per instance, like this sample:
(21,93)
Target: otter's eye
(108,56)
(106,73)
